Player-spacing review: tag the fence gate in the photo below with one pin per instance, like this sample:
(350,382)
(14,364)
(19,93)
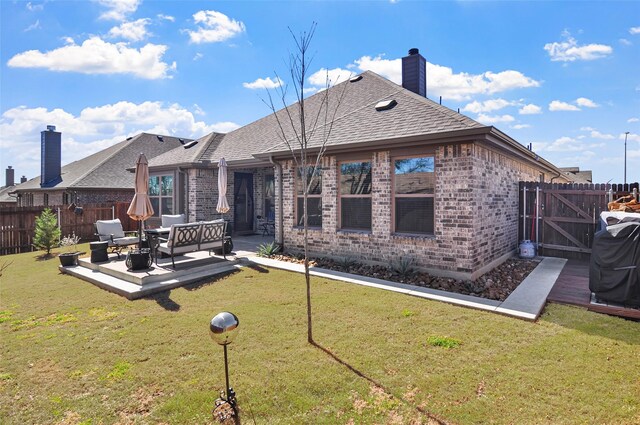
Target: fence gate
(563,218)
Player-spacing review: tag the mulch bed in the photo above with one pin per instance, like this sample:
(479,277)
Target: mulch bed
(495,285)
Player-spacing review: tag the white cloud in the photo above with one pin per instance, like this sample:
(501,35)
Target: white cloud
(557,105)
(34,7)
(263,83)
(569,50)
(198,56)
(625,42)
(215,27)
(530,109)
(587,103)
(442,81)
(198,110)
(34,26)
(68,40)
(133,31)
(492,119)
(165,17)
(595,134)
(520,126)
(94,129)
(118,10)
(634,30)
(633,119)
(486,106)
(335,76)
(96,56)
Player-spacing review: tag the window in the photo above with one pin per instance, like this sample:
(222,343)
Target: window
(161,194)
(413,190)
(269,197)
(314,198)
(355,195)
(45,199)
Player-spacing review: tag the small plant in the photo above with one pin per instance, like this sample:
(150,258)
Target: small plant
(47,234)
(403,267)
(345,263)
(407,313)
(268,250)
(443,341)
(70,241)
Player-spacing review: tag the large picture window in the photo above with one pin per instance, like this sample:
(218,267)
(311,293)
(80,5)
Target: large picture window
(314,198)
(414,187)
(355,195)
(161,194)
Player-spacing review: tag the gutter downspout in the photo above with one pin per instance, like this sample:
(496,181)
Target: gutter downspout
(279,217)
(185,190)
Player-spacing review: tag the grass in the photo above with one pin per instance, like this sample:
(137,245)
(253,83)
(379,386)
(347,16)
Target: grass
(75,354)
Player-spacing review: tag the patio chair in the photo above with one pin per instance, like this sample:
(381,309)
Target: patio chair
(111,231)
(168,220)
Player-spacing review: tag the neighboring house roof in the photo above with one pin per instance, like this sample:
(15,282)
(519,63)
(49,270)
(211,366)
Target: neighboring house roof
(4,194)
(107,169)
(187,157)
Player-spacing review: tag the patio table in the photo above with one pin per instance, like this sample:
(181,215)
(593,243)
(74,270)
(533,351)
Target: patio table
(154,235)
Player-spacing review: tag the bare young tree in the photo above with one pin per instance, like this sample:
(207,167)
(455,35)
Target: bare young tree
(305,130)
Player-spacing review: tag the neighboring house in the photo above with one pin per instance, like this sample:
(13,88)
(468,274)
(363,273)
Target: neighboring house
(414,180)
(98,178)
(7,200)
(577,176)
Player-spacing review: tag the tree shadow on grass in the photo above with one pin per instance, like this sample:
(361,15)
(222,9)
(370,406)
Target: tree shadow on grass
(258,268)
(164,300)
(45,256)
(377,384)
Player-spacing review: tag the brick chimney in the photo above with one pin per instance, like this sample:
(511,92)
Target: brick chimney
(50,157)
(23,179)
(9,176)
(414,72)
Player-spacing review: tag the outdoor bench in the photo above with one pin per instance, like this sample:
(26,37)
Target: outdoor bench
(191,237)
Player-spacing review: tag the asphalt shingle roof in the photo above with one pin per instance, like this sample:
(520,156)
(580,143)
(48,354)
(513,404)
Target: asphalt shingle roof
(356,120)
(108,168)
(188,156)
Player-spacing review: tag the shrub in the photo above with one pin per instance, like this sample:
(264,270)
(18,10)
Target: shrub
(345,263)
(47,234)
(403,267)
(70,241)
(268,250)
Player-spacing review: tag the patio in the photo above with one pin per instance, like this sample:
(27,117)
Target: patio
(114,276)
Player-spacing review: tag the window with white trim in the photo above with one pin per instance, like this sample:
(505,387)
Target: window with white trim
(161,194)
(413,192)
(314,198)
(355,195)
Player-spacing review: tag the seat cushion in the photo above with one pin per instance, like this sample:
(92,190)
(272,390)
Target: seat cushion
(106,228)
(168,220)
(129,240)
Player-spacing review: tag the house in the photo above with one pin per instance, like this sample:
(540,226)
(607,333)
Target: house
(98,178)
(402,177)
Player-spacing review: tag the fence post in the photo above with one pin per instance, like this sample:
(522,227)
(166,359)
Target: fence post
(113,212)
(59,225)
(611,195)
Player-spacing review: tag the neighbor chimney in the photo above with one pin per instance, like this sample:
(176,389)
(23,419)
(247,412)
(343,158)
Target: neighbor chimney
(50,157)
(414,72)
(9,176)
(23,179)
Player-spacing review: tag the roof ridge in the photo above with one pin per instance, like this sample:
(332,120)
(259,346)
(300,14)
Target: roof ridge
(115,151)
(211,137)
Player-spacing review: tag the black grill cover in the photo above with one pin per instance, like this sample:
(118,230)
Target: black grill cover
(614,273)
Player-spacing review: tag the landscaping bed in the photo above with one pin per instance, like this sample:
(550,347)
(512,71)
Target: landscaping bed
(495,285)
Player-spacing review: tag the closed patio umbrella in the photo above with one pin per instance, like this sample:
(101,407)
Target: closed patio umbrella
(223,205)
(140,208)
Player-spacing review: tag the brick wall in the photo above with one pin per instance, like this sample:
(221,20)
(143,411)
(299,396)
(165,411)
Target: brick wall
(476,208)
(86,196)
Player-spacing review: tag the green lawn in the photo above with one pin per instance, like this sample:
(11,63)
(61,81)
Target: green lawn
(73,353)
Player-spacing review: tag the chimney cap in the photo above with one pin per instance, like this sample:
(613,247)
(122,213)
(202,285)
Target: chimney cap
(413,51)
(9,167)
(51,128)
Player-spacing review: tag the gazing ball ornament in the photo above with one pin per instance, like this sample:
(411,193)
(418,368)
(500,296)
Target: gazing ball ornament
(224,328)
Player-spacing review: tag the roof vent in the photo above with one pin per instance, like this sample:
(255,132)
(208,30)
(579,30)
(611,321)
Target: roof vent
(385,104)
(355,78)
(130,137)
(160,138)
(188,145)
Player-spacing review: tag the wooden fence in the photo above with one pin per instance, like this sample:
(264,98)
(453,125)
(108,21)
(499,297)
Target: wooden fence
(17,224)
(563,218)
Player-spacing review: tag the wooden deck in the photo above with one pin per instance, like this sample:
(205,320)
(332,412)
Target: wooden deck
(572,287)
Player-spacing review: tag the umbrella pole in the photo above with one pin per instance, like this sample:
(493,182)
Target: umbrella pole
(140,235)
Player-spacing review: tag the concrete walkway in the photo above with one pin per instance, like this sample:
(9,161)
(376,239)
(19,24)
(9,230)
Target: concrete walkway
(526,302)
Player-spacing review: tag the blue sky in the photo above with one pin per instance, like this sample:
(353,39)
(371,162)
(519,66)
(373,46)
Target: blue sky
(564,76)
